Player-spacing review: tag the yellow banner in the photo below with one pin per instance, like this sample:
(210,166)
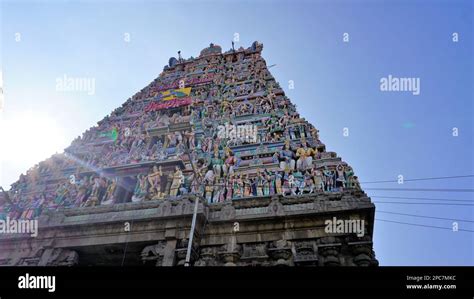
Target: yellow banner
(171,94)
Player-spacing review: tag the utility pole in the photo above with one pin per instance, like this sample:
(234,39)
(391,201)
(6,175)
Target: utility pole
(191,233)
(196,204)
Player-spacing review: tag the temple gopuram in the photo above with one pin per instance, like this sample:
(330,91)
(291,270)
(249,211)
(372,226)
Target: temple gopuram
(214,132)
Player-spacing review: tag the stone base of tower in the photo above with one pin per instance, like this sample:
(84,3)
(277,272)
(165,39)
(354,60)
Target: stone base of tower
(266,231)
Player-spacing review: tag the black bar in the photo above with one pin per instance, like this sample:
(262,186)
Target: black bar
(217,282)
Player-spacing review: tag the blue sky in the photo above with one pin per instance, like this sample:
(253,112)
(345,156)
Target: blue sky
(336,86)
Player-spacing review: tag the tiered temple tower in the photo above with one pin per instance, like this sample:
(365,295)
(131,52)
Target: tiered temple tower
(217,128)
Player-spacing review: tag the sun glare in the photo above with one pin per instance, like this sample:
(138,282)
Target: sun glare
(29,138)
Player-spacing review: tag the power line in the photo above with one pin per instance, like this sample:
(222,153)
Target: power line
(423,225)
(424,216)
(422,179)
(405,203)
(425,203)
(421,189)
(424,198)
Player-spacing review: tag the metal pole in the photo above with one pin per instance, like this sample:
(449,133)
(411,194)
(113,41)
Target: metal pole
(191,233)
(193,223)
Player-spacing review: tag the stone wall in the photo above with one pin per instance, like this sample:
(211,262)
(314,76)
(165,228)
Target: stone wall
(267,231)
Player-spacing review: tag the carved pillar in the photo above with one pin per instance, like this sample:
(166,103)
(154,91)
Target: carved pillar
(305,253)
(280,251)
(328,248)
(207,257)
(230,253)
(363,254)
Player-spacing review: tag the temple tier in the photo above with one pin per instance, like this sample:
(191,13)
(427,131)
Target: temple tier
(217,127)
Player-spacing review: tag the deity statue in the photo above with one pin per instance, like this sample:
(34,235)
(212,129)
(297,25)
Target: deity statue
(340,177)
(292,183)
(287,162)
(229,187)
(318,179)
(178,137)
(206,144)
(109,194)
(94,197)
(184,188)
(178,180)
(305,156)
(299,182)
(216,190)
(209,188)
(80,196)
(154,179)
(170,141)
(247,185)
(196,187)
(266,184)
(226,108)
(253,186)
(167,185)
(141,188)
(309,182)
(190,135)
(278,182)
(259,183)
(230,161)
(39,205)
(329,179)
(222,189)
(218,164)
(61,194)
(285,183)
(237,187)
(349,177)
(271,180)
(292,133)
